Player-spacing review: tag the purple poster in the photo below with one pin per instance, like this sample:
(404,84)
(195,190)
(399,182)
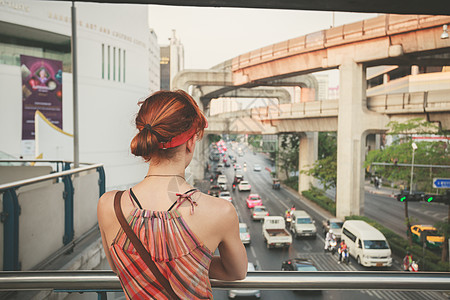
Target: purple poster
(41,90)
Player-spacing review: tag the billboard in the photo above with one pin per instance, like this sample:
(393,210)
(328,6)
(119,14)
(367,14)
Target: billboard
(41,90)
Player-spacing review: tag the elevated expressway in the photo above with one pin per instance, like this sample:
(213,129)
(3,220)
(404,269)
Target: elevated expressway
(410,40)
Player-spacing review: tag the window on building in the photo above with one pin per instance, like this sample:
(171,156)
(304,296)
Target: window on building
(17,39)
(114,63)
(118,73)
(109,62)
(124,65)
(103,61)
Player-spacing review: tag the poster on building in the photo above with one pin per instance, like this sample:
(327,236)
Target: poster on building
(41,90)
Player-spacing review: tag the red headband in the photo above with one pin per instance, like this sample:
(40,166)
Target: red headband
(179,139)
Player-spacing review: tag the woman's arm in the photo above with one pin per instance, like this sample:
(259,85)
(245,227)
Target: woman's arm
(232,262)
(104,210)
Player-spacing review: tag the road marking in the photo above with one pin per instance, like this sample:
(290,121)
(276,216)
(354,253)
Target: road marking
(307,246)
(254,255)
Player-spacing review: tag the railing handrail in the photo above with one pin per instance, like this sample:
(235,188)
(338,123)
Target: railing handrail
(47,177)
(35,160)
(264,280)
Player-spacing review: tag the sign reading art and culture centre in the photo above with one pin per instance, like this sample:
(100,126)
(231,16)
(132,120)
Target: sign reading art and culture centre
(41,90)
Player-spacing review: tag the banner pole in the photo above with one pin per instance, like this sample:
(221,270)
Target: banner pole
(76,150)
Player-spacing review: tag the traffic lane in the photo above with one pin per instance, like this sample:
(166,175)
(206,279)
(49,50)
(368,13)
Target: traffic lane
(391,213)
(277,201)
(282,198)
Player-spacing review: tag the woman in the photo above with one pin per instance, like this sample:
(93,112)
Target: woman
(180,227)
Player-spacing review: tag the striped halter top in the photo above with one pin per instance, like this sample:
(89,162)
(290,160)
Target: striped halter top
(179,255)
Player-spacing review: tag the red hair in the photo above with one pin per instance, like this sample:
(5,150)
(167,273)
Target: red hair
(163,116)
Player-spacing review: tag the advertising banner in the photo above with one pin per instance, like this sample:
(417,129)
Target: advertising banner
(41,90)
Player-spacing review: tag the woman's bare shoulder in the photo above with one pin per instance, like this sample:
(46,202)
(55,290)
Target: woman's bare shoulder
(218,206)
(105,204)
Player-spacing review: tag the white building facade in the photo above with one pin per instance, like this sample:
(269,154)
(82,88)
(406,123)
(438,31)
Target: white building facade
(115,72)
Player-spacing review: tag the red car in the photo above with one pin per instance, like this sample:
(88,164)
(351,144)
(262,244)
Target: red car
(253,200)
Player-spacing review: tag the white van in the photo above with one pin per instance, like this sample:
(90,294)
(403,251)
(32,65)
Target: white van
(366,244)
(302,224)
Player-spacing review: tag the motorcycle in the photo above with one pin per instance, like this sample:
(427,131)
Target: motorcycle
(344,255)
(332,245)
(411,267)
(288,218)
(234,187)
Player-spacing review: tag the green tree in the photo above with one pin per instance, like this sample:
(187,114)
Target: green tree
(288,153)
(255,141)
(400,151)
(327,144)
(214,138)
(324,170)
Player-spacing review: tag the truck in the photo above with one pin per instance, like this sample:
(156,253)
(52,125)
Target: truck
(275,233)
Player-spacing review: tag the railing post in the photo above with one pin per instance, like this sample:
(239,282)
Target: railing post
(101,180)
(68,209)
(66,166)
(102,296)
(10,219)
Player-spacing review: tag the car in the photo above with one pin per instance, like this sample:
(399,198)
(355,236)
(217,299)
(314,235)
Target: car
(298,264)
(222,179)
(218,170)
(333,224)
(220,165)
(257,168)
(244,234)
(214,190)
(244,186)
(253,200)
(227,164)
(237,167)
(226,196)
(434,240)
(259,212)
(243,292)
(238,178)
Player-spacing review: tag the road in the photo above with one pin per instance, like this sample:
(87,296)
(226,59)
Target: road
(384,209)
(277,201)
(380,206)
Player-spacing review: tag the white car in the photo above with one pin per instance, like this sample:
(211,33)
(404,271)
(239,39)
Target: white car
(244,186)
(244,233)
(245,293)
(222,179)
(259,212)
(257,168)
(226,196)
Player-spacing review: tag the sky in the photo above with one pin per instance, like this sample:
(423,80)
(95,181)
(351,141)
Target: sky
(213,35)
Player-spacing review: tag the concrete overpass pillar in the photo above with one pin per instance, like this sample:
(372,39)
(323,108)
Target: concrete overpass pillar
(350,145)
(196,169)
(281,174)
(308,153)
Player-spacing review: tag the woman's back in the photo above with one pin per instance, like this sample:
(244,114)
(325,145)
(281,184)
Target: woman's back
(176,250)
(180,241)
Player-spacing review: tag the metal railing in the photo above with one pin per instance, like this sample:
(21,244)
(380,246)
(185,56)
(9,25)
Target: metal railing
(106,281)
(61,165)
(11,209)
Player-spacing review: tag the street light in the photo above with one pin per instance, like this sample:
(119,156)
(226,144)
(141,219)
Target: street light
(414,147)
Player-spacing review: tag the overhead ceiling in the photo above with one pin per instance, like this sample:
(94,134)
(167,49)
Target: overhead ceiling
(428,7)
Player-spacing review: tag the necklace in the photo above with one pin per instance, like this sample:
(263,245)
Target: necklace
(165,176)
